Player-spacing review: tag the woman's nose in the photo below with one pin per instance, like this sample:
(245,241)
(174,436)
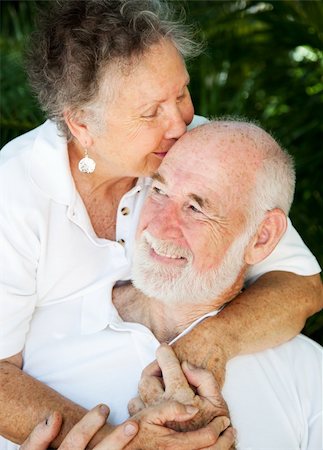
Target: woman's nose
(177,125)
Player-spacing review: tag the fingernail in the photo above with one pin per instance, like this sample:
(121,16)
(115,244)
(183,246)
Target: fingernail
(226,422)
(104,410)
(191,409)
(130,429)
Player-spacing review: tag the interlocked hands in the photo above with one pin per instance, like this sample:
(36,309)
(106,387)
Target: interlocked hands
(180,417)
(183,383)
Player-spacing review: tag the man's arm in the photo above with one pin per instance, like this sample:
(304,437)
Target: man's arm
(151,425)
(82,433)
(270,312)
(25,402)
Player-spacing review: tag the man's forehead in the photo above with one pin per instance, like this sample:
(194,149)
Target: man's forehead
(231,150)
(205,191)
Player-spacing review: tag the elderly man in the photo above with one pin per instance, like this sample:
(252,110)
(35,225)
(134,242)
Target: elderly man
(208,219)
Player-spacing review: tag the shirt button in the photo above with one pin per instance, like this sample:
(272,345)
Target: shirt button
(125,211)
(122,241)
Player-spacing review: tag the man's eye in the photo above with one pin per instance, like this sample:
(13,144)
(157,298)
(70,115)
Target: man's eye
(193,208)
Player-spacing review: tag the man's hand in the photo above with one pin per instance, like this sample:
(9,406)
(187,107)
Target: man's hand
(154,433)
(173,383)
(81,434)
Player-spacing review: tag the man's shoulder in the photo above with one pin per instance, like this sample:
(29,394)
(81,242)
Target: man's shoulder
(291,358)
(305,346)
(300,355)
(197,120)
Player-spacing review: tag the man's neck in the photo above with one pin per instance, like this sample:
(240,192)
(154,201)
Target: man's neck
(166,321)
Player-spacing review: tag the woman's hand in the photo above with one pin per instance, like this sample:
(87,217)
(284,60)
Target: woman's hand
(154,432)
(81,434)
(198,348)
(174,382)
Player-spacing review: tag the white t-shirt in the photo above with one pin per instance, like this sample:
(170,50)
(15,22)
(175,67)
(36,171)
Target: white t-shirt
(50,252)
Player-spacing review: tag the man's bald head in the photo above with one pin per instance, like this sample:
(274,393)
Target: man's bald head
(218,204)
(261,172)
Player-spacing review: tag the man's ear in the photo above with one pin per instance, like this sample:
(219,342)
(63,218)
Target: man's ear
(268,234)
(78,127)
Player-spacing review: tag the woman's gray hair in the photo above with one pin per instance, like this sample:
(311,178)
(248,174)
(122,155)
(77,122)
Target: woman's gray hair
(78,39)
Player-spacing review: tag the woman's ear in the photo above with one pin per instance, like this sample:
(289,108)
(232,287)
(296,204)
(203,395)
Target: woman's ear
(268,234)
(78,127)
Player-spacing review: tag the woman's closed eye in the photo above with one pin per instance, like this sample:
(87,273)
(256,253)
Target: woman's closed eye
(150,114)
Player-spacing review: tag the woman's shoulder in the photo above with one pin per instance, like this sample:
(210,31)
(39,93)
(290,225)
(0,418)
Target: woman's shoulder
(21,144)
(17,159)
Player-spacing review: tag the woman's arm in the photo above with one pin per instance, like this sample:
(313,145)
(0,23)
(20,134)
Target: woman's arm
(26,401)
(270,312)
(82,433)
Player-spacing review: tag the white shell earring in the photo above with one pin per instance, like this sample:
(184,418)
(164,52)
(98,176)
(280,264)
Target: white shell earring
(87,164)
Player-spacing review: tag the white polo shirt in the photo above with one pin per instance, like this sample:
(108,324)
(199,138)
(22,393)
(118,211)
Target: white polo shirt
(275,396)
(56,275)
(50,253)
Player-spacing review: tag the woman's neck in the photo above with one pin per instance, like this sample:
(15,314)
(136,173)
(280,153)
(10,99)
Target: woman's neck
(100,183)
(101,193)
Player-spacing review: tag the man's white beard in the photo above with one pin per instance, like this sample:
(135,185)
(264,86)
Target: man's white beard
(183,284)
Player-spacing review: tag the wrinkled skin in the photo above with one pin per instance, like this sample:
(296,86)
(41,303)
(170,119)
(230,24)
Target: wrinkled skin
(152,435)
(183,383)
(81,434)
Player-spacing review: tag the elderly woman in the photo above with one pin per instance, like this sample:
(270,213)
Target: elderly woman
(112,79)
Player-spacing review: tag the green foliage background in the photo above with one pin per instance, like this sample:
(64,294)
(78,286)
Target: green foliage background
(263,60)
